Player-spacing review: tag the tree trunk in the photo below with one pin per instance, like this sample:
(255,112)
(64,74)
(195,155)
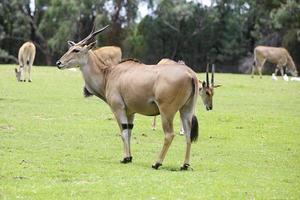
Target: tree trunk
(116,25)
(174,51)
(48,59)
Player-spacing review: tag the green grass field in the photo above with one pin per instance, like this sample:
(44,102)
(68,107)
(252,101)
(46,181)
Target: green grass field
(54,144)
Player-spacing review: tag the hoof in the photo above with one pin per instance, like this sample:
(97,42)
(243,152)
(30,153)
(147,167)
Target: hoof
(29,80)
(126,160)
(86,93)
(156,165)
(185,167)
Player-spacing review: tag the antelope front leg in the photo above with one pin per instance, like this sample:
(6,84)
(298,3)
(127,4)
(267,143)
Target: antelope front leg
(260,72)
(252,71)
(29,73)
(260,67)
(281,71)
(126,137)
(126,125)
(22,75)
(276,71)
(154,123)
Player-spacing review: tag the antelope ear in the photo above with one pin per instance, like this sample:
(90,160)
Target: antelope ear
(216,86)
(71,43)
(16,70)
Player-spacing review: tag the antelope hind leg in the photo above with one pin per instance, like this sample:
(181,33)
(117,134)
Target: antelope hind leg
(167,123)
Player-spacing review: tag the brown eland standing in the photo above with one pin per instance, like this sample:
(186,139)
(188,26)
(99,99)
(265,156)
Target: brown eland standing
(276,55)
(166,61)
(26,57)
(206,90)
(132,87)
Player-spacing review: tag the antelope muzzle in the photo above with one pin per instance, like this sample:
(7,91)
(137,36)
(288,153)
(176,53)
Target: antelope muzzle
(59,64)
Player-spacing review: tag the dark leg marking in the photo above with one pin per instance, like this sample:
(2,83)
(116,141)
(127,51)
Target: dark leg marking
(127,126)
(127,159)
(130,126)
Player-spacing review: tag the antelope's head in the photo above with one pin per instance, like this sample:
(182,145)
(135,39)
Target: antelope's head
(76,56)
(293,72)
(207,90)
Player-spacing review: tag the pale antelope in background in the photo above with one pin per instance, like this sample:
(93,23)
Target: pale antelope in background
(26,57)
(276,55)
(132,87)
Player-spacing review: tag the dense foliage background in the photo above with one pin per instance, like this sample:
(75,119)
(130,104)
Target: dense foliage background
(224,33)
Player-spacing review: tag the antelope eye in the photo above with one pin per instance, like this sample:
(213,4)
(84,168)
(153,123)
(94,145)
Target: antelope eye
(75,50)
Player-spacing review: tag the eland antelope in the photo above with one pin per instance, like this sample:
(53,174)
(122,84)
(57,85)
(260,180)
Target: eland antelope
(276,55)
(26,57)
(206,90)
(166,61)
(130,87)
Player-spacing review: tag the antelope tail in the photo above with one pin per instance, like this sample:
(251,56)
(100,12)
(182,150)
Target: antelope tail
(194,124)
(194,129)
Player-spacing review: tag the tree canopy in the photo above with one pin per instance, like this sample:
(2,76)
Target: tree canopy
(224,33)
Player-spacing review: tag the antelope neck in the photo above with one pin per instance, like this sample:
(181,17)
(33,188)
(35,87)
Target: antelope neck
(94,73)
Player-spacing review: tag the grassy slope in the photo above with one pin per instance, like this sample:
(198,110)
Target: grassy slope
(54,144)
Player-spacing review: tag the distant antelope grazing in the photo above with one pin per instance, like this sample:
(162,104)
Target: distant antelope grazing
(276,55)
(26,57)
(132,87)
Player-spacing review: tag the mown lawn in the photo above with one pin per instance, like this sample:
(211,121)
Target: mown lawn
(54,144)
